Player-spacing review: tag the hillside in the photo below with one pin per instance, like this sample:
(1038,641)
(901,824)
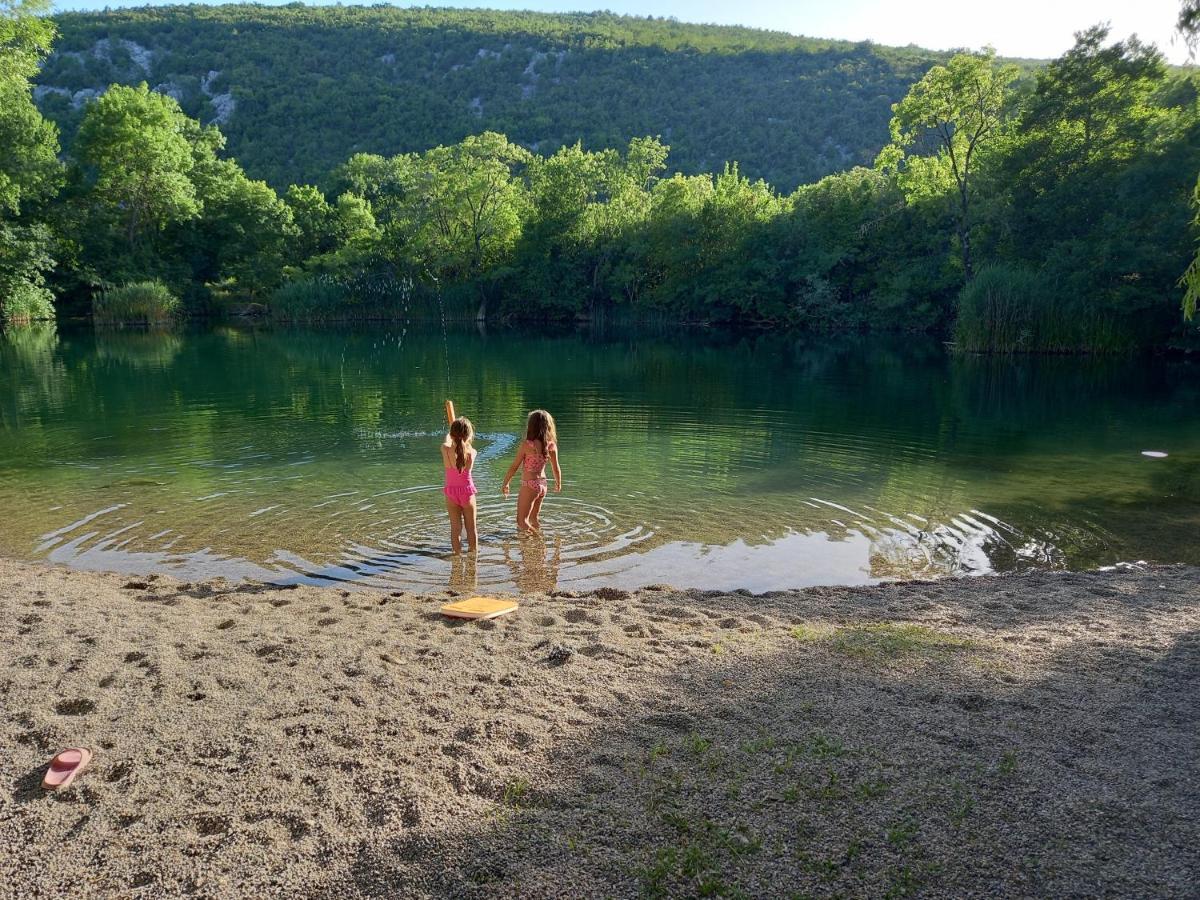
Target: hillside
(298,89)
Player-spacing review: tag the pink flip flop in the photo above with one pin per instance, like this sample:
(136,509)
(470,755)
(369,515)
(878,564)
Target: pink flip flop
(65,766)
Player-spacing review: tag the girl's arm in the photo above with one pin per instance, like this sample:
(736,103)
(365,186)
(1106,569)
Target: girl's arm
(512,470)
(553,454)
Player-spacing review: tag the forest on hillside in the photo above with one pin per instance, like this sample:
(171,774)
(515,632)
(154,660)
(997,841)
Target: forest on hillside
(1046,213)
(296,90)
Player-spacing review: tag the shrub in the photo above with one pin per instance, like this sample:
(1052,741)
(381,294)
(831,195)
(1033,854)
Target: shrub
(26,303)
(141,303)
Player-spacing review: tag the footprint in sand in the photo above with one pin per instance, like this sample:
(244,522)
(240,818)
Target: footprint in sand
(209,825)
(326,621)
(79,707)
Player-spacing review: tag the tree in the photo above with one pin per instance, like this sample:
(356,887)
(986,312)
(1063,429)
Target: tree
(1189,27)
(133,148)
(252,230)
(1188,23)
(961,107)
(313,217)
(29,169)
(1094,99)
(463,207)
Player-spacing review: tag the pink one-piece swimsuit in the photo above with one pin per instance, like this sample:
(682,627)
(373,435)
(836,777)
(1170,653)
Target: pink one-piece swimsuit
(460,486)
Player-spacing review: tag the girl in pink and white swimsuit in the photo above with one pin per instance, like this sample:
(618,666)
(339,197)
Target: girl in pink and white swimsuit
(539,447)
(458,456)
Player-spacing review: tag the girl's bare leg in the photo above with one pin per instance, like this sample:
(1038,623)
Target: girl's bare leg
(468,516)
(456,524)
(524,503)
(534,511)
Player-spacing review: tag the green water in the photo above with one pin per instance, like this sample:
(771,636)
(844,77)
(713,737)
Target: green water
(758,462)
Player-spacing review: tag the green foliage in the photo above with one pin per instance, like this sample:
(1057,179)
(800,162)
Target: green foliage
(312,85)
(960,108)
(1010,309)
(1003,310)
(1191,277)
(308,299)
(24,256)
(25,302)
(1070,193)
(328,298)
(134,152)
(29,169)
(141,303)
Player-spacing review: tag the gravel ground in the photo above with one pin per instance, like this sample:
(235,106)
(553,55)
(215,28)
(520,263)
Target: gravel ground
(1015,736)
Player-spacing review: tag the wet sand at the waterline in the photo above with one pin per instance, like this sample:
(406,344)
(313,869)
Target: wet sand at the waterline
(1024,735)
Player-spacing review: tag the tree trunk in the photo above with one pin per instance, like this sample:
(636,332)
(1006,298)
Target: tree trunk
(964,233)
(964,237)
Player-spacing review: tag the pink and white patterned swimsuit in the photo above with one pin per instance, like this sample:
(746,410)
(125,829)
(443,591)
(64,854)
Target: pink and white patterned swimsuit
(534,473)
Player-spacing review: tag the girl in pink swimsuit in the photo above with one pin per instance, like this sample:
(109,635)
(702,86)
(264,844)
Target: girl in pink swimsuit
(458,456)
(539,447)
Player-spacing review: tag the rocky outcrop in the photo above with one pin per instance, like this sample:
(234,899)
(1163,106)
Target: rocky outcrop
(223,104)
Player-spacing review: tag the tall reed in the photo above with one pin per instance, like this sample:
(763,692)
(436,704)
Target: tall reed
(140,303)
(1009,309)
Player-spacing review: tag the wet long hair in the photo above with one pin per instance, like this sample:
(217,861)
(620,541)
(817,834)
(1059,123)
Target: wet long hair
(540,427)
(462,432)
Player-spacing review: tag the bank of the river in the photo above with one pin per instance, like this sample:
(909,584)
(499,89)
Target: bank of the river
(1027,735)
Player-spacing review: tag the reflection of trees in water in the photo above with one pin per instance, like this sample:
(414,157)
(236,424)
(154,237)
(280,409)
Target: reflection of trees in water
(534,566)
(140,348)
(34,376)
(712,438)
(29,345)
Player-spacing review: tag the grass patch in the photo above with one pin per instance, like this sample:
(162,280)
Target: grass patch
(882,641)
(1008,763)
(697,745)
(810,633)
(515,792)
(694,864)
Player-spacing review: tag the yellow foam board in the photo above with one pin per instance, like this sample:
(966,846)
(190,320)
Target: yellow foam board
(479,608)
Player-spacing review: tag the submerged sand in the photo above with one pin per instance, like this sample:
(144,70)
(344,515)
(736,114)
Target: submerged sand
(1032,735)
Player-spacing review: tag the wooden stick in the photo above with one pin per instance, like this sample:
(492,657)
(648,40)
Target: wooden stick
(449,412)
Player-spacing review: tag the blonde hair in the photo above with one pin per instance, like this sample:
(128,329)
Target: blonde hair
(540,427)
(462,432)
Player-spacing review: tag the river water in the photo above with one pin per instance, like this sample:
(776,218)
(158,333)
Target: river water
(692,459)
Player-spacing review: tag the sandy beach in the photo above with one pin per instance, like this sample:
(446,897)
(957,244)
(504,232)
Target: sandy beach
(1015,736)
